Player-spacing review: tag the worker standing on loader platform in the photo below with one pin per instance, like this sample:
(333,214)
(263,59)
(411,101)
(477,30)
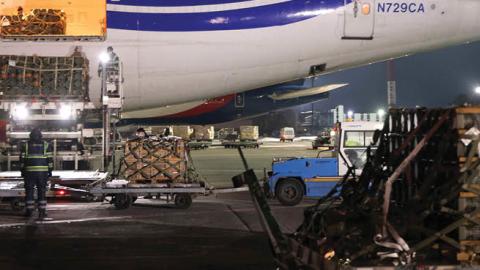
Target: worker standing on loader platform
(36,163)
(141,134)
(111,66)
(113,63)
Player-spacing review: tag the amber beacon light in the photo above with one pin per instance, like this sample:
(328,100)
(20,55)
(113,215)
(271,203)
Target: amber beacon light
(366,9)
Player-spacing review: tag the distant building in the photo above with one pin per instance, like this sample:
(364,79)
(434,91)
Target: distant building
(339,115)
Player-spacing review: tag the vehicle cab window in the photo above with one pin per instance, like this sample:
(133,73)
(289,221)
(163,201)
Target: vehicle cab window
(355,144)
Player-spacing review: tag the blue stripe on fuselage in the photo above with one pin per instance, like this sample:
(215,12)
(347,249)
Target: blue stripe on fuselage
(171,3)
(246,18)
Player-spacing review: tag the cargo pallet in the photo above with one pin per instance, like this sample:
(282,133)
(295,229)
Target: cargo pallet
(199,145)
(63,184)
(241,144)
(15,195)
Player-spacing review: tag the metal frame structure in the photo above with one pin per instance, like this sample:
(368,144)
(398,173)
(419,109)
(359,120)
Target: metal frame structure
(408,207)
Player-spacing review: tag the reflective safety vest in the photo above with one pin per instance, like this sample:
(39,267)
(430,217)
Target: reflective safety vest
(36,157)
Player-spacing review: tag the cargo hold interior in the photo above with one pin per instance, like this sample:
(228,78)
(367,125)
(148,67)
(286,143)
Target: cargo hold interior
(73,18)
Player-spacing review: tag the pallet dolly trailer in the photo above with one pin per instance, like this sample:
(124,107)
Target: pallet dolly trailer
(63,184)
(124,195)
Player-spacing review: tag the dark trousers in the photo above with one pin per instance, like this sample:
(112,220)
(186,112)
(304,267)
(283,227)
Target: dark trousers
(39,180)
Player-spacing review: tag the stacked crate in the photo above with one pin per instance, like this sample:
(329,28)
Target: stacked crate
(39,22)
(468,125)
(203,133)
(184,132)
(155,161)
(249,133)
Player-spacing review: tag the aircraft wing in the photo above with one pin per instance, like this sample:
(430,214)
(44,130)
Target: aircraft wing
(307,92)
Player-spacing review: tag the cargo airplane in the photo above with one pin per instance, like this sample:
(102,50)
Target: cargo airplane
(184,51)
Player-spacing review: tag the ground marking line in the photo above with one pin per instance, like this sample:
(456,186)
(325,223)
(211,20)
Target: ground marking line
(62,221)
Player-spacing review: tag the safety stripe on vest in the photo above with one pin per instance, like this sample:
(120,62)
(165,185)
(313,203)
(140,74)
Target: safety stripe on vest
(36,168)
(32,157)
(46,154)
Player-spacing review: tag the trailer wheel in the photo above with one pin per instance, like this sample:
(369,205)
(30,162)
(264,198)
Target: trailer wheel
(183,200)
(289,192)
(17,204)
(122,201)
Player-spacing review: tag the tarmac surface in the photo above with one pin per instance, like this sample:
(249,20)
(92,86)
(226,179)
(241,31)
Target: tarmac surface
(217,232)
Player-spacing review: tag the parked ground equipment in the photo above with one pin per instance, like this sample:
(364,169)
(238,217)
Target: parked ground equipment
(247,138)
(323,140)
(202,137)
(287,134)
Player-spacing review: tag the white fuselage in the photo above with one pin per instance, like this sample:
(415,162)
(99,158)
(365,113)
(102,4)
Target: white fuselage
(167,67)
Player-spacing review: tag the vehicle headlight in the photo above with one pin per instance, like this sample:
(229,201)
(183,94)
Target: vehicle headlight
(65,111)
(20,112)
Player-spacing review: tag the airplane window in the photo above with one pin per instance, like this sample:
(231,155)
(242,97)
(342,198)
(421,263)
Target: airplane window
(44,19)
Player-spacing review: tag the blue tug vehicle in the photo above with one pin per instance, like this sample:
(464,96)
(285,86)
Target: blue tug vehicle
(293,178)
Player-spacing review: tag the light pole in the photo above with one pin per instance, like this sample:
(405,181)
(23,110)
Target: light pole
(477,90)
(350,115)
(381,113)
(104,59)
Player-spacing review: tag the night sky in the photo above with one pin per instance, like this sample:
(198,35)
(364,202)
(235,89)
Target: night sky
(430,79)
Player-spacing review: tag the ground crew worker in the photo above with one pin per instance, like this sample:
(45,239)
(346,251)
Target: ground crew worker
(112,70)
(36,163)
(113,63)
(141,134)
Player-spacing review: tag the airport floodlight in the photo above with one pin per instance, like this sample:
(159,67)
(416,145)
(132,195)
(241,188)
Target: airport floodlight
(21,112)
(65,111)
(381,113)
(104,57)
(350,114)
(477,90)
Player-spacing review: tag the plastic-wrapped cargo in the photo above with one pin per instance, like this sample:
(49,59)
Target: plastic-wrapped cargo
(62,77)
(203,133)
(183,132)
(155,161)
(249,133)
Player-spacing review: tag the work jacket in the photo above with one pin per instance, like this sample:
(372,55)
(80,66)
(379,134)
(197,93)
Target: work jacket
(36,157)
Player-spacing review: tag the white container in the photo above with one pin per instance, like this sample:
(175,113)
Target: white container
(287,134)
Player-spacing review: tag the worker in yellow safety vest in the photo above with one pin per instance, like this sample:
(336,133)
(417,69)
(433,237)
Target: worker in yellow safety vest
(36,163)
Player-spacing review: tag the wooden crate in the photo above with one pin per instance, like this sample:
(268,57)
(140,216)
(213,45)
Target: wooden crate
(467,118)
(153,161)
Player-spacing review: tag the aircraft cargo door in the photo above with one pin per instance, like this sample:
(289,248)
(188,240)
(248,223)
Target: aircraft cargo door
(359,19)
